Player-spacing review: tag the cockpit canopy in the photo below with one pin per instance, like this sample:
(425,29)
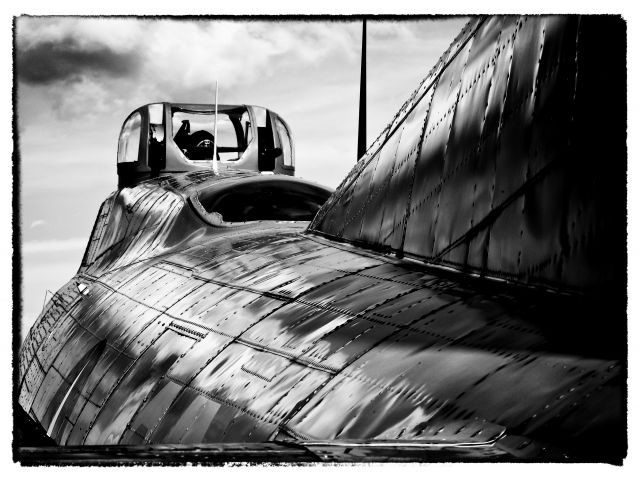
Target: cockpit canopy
(177,137)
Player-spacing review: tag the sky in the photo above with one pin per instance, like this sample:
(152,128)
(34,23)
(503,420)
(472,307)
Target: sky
(78,79)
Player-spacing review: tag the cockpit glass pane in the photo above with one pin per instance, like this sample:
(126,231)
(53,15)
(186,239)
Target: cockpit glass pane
(129,141)
(286,142)
(193,132)
(156,111)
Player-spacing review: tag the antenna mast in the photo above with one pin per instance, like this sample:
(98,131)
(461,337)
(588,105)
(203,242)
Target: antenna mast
(362,120)
(214,162)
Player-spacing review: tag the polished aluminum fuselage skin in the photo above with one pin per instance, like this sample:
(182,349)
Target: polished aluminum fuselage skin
(462,289)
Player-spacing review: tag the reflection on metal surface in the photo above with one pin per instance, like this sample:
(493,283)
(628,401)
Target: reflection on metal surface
(318,345)
(505,161)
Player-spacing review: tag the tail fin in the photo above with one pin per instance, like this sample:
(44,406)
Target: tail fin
(509,160)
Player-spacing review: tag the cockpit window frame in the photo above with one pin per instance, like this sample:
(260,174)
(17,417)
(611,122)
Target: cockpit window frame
(246,142)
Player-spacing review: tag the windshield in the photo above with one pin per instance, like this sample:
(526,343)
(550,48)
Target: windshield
(194,132)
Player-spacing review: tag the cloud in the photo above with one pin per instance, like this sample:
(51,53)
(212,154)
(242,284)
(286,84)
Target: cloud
(386,31)
(88,63)
(37,223)
(54,245)
(67,59)
(190,56)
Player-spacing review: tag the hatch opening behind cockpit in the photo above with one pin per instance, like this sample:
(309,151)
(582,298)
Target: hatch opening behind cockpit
(265,198)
